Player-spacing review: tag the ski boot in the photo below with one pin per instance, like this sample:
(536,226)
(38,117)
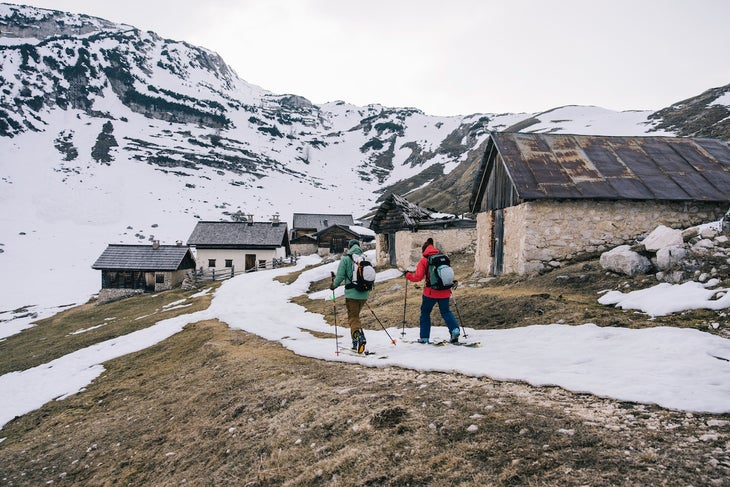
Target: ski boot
(359,341)
(455,335)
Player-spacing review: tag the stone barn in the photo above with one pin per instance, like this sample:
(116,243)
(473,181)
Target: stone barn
(401,227)
(542,199)
(133,269)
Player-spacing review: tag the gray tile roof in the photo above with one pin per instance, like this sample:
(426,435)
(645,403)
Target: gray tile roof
(319,221)
(239,235)
(144,258)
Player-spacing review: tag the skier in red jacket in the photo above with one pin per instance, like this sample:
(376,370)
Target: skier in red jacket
(432,297)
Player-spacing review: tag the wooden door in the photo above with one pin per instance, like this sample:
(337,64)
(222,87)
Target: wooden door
(391,248)
(250,262)
(498,242)
(338,244)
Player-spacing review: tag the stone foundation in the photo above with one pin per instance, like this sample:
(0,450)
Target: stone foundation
(540,234)
(109,295)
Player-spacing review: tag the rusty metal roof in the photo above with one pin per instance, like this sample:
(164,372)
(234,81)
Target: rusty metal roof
(601,167)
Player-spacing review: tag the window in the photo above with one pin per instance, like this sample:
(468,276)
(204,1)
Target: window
(160,278)
(262,264)
(211,262)
(229,262)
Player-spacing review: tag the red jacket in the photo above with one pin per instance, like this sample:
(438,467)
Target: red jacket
(420,273)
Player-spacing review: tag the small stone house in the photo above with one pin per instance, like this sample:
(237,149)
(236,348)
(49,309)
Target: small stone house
(541,199)
(401,227)
(133,269)
(239,246)
(304,245)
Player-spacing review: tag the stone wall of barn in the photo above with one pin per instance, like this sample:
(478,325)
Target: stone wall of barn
(108,295)
(408,244)
(170,279)
(483,258)
(540,235)
(304,249)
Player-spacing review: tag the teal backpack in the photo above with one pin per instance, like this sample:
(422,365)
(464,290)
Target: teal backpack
(440,275)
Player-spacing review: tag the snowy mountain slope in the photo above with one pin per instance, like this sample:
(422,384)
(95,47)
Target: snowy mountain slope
(109,134)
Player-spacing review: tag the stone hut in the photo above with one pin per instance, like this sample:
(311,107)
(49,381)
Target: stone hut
(544,198)
(401,227)
(304,245)
(127,270)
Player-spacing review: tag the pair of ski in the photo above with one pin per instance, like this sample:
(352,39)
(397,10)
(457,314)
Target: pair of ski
(437,343)
(354,353)
(442,343)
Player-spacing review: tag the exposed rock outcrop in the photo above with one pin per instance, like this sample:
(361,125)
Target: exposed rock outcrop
(698,253)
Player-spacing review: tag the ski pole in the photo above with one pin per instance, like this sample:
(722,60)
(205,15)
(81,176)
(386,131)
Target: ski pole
(463,330)
(334,308)
(381,325)
(405,300)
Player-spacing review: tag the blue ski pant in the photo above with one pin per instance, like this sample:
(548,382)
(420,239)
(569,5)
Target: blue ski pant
(427,305)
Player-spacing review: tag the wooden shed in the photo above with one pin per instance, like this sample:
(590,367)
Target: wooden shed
(133,269)
(541,199)
(311,223)
(334,239)
(401,227)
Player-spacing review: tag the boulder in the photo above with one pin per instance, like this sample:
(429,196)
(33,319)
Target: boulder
(662,237)
(703,246)
(625,261)
(690,233)
(669,257)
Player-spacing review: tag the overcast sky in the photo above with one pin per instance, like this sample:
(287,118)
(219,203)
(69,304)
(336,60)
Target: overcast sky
(453,57)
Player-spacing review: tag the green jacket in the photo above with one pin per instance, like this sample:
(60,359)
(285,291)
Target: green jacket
(344,273)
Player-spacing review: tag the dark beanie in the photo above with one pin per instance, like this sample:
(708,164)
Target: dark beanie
(426,244)
(351,243)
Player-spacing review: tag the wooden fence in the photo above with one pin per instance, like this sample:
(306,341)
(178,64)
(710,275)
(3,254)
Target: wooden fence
(223,273)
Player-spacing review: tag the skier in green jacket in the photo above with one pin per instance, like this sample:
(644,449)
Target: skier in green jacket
(354,299)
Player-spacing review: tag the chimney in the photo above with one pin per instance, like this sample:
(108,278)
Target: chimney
(275,220)
(249,219)
(155,244)
(178,243)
